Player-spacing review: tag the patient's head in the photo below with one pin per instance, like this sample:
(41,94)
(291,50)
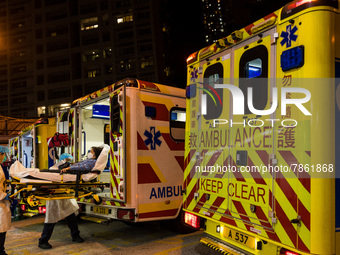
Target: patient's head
(96,151)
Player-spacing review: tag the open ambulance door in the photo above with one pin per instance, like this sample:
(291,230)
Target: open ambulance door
(67,121)
(118,144)
(26,149)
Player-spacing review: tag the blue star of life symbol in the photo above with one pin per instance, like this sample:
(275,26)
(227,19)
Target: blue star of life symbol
(152,138)
(194,75)
(289,36)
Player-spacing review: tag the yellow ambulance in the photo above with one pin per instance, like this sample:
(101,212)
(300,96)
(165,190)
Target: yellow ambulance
(33,152)
(262,135)
(33,144)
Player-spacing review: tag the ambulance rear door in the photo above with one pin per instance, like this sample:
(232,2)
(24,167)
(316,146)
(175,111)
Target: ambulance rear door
(250,187)
(118,144)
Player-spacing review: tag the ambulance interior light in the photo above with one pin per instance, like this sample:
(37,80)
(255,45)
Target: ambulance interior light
(101,111)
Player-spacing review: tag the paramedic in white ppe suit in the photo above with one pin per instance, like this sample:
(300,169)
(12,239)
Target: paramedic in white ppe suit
(60,209)
(5,211)
(65,208)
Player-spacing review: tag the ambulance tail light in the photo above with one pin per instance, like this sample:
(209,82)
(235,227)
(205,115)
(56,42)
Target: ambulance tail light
(192,220)
(299,5)
(284,251)
(42,209)
(292,58)
(23,207)
(126,214)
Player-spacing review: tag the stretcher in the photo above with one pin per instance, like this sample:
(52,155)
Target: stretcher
(33,185)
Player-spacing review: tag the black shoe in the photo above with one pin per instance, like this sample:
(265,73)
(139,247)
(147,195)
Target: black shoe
(45,245)
(77,239)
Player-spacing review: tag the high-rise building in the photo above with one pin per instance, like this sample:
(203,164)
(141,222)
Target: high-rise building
(214,19)
(54,51)
(222,17)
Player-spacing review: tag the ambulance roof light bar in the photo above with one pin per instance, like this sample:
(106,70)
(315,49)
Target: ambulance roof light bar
(297,4)
(192,58)
(300,5)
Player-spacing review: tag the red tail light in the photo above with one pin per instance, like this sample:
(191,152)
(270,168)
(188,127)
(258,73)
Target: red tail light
(23,207)
(126,214)
(287,252)
(192,220)
(42,209)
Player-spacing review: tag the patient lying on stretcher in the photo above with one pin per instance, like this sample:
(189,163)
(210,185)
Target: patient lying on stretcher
(95,164)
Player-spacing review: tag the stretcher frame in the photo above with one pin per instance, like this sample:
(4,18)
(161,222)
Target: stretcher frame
(34,191)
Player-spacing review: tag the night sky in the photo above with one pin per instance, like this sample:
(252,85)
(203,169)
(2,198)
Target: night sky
(187,26)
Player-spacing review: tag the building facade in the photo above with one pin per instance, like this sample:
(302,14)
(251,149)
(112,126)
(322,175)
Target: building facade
(53,52)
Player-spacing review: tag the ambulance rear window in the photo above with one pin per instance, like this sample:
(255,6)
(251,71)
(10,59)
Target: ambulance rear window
(213,75)
(177,124)
(115,114)
(253,68)
(253,72)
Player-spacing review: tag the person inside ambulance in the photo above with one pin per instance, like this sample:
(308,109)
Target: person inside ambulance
(87,164)
(64,160)
(5,211)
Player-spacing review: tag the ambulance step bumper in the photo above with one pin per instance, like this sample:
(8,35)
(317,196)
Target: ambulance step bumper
(95,219)
(221,247)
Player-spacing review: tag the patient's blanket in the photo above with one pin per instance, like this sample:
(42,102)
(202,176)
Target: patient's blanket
(34,175)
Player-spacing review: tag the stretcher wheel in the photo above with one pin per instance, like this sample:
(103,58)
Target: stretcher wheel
(97,199)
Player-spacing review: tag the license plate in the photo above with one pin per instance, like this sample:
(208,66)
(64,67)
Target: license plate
(239,237)
(100,210)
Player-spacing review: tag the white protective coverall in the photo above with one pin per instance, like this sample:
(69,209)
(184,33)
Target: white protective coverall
(5,211)
(59,209)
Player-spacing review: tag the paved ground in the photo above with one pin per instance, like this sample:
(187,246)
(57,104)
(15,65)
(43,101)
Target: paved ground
(116,238)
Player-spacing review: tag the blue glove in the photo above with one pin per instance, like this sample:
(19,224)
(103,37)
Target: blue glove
(7,197)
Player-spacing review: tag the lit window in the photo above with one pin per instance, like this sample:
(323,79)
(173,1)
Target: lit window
(88,24)
(127,18)
(91,55)
(146,62)
(107,53)
(41,110)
